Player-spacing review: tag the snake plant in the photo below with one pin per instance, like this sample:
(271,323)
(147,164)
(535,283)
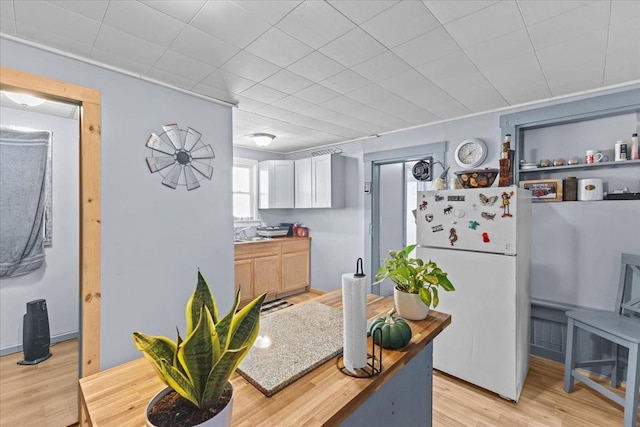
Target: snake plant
(199,366)
(414,276)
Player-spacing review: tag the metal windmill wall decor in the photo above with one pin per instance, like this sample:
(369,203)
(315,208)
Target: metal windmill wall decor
(188,156)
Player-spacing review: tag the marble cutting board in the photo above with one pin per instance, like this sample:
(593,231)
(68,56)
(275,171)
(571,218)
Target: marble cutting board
(302,338)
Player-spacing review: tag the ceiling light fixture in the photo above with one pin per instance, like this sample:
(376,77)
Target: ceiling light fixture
(262,139)
(24,99)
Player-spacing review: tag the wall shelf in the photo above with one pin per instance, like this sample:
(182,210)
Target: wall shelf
(580,167)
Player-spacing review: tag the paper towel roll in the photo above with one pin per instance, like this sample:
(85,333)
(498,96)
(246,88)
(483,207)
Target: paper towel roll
(354,308)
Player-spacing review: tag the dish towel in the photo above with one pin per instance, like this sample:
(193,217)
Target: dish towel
(23,167)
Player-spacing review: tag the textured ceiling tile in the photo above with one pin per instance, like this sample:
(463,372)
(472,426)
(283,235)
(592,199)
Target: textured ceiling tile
(7,26)
(316,94)
(271,11)
(427,47)
(381,67)
(400,23)
(94,9)
(250,66)
(345,81)
(360,11)
(624,37)
(183,66)
(278,47)
(502,50)
(247,104)
(541,10)
(456,75)
(315,23)
(519,79)
(486,24)
(229,22)
(352,48)
(38,35)
(204,47)
(447,10)
(576,23)
(55,20)
(183,10)
(316,67)
(227,81)
(143,22)
(414,87)
(292,103)
(116,43)
(263,93)
(286,81)
(560,61)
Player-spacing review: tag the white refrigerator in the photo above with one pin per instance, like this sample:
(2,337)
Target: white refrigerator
(482,239)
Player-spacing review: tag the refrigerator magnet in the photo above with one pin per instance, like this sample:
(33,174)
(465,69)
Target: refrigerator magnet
(473,224)
(488,216)
(453,237)
(448,210)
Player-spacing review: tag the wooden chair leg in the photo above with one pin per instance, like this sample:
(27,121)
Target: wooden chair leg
(633,383)
(615,382)
(570,363)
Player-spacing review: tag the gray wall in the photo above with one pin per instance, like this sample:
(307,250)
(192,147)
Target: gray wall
(57,280)
(153,238)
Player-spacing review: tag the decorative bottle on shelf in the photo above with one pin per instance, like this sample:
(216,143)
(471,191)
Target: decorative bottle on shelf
(506,163)
(634,147)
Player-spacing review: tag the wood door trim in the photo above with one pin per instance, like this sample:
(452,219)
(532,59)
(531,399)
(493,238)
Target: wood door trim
(89,257)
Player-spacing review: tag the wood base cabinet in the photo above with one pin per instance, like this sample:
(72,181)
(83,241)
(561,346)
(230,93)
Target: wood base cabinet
(279,268)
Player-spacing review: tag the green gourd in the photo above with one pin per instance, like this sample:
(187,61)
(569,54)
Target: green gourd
(396,333)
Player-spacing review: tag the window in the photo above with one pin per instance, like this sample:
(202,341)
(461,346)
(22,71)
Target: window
(245,190)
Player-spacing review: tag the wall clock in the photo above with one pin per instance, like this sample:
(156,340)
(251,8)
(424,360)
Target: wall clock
(471,153)
(180,156)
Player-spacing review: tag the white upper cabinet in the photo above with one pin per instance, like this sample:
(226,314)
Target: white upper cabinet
(303,183)
(276,184)
(320,182)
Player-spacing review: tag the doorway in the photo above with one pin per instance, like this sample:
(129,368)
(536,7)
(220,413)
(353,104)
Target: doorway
(391,201)
(89,218)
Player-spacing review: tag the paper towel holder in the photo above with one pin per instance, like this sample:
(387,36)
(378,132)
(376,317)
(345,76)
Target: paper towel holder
(359,271)
(374,364)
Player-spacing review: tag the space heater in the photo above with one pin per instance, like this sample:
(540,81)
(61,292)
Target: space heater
(35,333)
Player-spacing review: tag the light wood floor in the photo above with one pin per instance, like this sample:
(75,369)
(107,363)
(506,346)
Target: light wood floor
(42,395)
(45,395)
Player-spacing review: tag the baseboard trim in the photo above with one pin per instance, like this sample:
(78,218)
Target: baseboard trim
(54,339)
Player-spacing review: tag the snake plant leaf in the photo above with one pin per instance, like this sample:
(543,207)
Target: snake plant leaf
(155,350)
(221,373)
(200,351)
(181,384)
(245,324)
(212,350)
(223,327)
(201,296)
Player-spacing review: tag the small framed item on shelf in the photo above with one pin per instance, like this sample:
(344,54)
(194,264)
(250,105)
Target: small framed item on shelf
(544,190)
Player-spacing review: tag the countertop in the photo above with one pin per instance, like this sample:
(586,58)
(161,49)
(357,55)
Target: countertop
(119,396)
(273,240)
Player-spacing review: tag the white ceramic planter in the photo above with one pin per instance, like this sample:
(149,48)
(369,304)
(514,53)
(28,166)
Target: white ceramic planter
(222,419)
(410,306)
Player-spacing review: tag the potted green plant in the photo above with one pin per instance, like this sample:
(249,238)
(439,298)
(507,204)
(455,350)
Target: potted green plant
(197,369)
(416,283)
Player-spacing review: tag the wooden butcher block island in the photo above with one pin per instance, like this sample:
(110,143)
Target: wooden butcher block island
(400,395)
